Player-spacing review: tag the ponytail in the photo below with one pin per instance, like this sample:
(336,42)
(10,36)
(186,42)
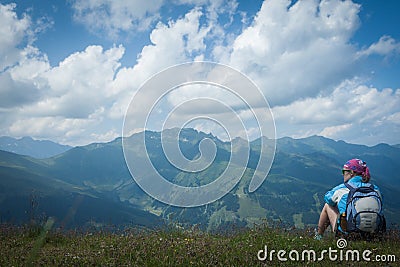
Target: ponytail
(365,174)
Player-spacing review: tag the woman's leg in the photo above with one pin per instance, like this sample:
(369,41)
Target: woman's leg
(328,216)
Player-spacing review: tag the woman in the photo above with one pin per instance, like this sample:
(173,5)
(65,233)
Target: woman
(356,172)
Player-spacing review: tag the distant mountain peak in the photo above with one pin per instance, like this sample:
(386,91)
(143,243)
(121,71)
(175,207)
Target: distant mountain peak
(27,138)
(30,147)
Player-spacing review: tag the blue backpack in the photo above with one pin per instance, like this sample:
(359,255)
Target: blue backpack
(364,211)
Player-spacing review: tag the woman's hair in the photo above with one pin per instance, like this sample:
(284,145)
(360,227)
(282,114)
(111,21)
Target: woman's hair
(365,179)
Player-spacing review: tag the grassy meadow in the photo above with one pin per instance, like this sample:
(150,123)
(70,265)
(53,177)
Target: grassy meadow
(27,245)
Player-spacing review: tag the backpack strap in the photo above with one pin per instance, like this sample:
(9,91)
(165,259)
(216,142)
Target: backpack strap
(351,193)
(352,188)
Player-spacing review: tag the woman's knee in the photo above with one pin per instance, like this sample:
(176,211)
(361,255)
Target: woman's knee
(325,207)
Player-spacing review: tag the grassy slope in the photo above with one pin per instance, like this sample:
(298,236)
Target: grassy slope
(174,247)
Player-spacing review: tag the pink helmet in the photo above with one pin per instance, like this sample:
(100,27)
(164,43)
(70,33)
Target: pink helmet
(358,166)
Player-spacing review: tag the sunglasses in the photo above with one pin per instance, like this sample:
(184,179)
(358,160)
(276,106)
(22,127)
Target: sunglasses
(345,171)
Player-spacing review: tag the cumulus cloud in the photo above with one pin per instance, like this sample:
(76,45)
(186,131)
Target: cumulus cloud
(299,50)
(81,83)
(65,103)
(112,16)
(173,43)
(89,91)
(76,97)
(177,42)
(385,46)
(13,32)
(77,87)
(356,111)
(115,17)
(15,93)
(73,131)
(20,62)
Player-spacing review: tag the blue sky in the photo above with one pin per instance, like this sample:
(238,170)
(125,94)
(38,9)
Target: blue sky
(69,68)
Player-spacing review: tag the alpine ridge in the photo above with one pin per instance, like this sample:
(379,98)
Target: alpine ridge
(91,185)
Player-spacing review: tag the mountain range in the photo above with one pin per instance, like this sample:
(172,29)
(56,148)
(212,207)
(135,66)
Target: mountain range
(90,186)
(35,148)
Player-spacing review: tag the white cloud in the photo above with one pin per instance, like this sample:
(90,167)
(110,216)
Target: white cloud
(114,16)
(72,131)
(195,91)
(80,84)
(31,65)
(353,110)
(16,33)
(89,91)
(385,46)
(214,8)
(333,131)
(297,51)
(394,118)
(65,103)
(12,32)
(75,98)
(20,62)
(174,43)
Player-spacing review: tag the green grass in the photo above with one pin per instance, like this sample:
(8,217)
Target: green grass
(171,247)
